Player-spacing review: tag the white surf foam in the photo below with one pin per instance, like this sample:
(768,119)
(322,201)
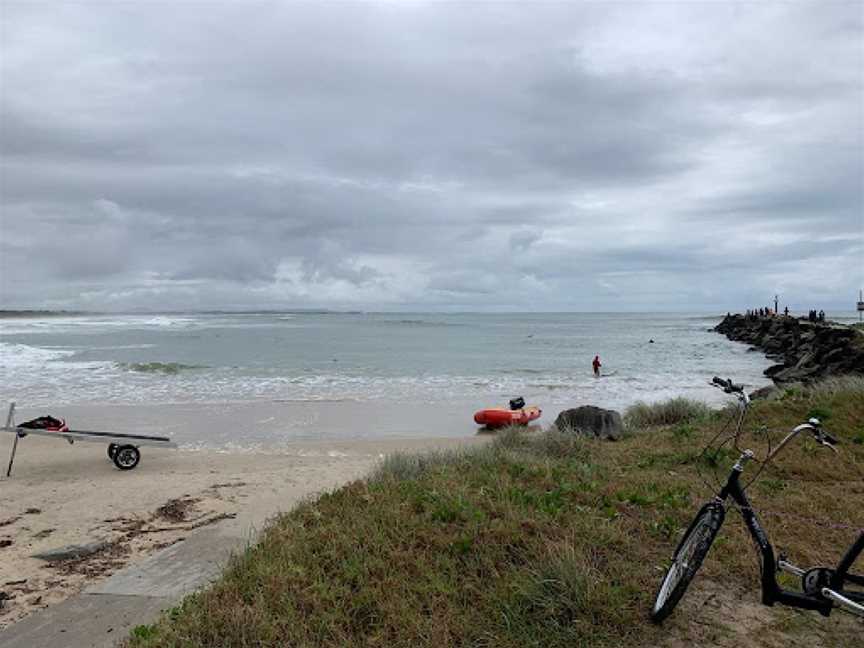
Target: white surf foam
(23,356)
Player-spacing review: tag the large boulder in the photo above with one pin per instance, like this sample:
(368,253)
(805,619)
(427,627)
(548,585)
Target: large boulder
(765,393)
(591,421)
(773,370)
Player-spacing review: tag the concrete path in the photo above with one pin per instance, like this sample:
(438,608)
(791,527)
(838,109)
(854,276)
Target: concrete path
(104,613)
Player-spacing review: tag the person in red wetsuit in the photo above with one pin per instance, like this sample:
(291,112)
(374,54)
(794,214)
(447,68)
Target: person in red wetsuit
(596,364)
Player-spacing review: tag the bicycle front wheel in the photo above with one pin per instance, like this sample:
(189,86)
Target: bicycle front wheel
(687,559)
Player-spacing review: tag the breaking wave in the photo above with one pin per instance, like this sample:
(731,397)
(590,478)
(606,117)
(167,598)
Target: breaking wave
(164,368)
(18,356)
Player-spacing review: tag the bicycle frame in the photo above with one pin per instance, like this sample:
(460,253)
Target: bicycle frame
(822,588)
(771,591)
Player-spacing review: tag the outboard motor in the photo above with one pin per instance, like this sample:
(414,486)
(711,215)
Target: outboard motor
(517,403)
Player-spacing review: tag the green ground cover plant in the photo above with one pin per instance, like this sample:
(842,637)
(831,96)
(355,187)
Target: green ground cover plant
(542,539)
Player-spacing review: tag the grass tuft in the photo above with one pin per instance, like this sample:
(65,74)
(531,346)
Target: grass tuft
(676,410)
(551,444)
(850,386)
(401,466)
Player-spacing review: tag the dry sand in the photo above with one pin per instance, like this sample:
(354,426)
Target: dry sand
(61,494)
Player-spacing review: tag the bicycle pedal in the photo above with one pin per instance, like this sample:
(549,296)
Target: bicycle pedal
(815,579)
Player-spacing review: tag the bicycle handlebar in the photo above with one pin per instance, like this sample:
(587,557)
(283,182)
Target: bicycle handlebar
(814,426)
(727,385)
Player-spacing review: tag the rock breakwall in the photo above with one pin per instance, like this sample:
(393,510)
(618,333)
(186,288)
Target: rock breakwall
(806,351)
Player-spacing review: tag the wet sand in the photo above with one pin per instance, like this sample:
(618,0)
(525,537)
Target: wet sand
(268,424)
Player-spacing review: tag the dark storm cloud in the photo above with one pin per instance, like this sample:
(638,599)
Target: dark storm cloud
(431,155)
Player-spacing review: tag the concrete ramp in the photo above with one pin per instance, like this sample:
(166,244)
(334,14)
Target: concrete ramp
(104,613)
(173,571)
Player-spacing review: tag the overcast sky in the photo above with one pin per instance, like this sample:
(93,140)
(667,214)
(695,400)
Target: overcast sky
(431,156)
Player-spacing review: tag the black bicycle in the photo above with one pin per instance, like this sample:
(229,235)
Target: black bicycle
(822,588)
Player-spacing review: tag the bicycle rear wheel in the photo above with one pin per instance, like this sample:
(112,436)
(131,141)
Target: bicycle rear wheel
(687,559)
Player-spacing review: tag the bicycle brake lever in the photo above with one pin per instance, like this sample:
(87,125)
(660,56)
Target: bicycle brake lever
(826,440)
(829,445)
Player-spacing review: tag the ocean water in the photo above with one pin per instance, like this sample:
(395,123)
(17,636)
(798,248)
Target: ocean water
(474,360)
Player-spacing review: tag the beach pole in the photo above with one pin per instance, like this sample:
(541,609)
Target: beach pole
(9,419)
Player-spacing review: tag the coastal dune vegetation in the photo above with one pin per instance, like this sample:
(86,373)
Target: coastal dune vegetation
(674,410)
(546,539)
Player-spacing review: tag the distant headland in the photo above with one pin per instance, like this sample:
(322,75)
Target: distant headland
(8,314)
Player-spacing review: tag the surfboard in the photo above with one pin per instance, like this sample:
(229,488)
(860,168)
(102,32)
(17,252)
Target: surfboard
(607,374)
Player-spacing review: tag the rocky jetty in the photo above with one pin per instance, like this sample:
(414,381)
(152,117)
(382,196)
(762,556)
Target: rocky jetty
(806,351)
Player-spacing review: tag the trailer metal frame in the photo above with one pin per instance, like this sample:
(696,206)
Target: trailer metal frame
(127,444)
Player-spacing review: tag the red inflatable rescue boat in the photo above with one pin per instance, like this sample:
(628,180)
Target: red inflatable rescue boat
(500,417)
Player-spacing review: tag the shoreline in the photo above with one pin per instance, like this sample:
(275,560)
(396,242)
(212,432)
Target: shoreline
(260,424)
(263,425)
(60,495)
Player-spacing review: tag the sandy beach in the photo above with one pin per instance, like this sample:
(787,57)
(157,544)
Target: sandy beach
(62,494)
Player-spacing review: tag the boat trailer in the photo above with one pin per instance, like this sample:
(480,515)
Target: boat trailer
(122,448)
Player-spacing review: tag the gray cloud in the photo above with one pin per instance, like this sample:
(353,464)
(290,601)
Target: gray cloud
(428,156)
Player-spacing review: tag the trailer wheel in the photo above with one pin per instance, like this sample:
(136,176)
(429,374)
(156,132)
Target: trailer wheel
(112,450)
(126,457)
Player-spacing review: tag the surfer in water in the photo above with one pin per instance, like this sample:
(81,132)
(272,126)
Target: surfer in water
(596,364)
